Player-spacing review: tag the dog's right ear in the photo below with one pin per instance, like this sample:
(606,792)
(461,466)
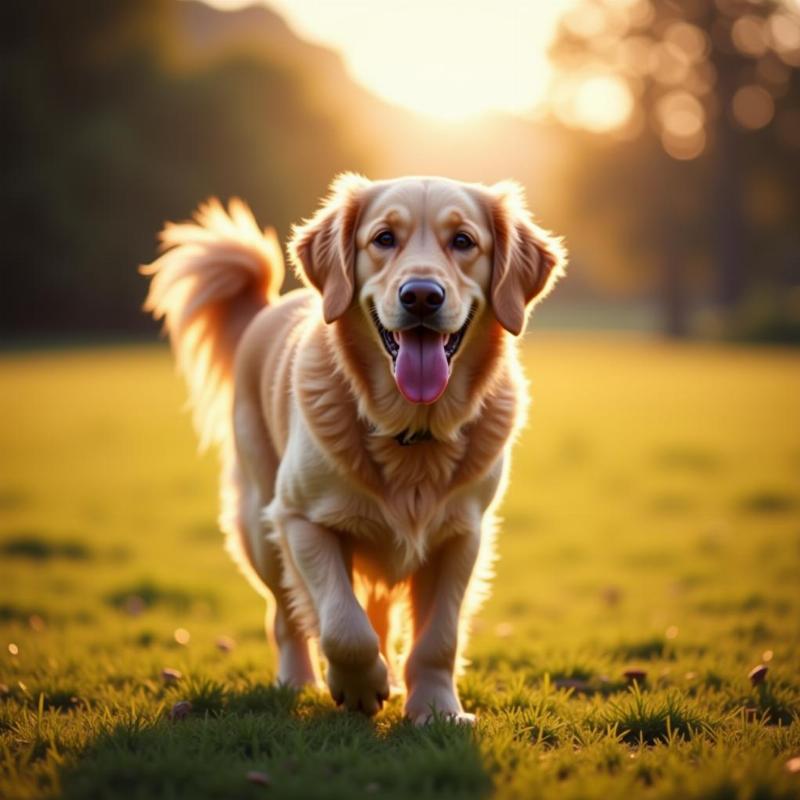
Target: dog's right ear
(322,249)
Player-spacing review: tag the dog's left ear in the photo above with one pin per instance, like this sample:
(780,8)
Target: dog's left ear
(527,259)
(322,249)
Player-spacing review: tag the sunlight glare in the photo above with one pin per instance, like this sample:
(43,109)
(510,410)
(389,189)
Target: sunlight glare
(448,58)
(601,103)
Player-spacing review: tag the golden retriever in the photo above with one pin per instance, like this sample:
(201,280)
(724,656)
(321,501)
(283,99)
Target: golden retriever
(364,422)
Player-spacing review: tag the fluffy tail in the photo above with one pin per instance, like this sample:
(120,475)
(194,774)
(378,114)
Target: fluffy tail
(212,278)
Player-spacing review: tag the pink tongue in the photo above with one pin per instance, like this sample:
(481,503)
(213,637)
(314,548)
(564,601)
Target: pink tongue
(421,370)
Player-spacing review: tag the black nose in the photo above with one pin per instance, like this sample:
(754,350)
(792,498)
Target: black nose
(421,297)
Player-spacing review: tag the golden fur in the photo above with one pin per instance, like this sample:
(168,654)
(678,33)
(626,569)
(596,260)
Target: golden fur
(332,519)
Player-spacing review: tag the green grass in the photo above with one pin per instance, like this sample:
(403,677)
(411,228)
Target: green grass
(653,521)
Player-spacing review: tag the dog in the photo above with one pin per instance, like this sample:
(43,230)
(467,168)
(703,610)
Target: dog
(364,421)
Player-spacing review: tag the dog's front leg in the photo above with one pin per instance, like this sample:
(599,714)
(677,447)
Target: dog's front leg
(357,675)
(437,593)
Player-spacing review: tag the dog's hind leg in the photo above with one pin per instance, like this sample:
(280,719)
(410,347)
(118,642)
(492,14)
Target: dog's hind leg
(296,653)
(260,561)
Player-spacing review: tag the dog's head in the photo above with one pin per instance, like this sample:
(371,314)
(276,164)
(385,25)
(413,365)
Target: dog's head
(424,259)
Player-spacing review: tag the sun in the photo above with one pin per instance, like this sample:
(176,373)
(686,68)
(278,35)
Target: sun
(598,103)
(448,59)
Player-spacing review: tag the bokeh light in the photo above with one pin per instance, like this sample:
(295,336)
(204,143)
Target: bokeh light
(753,107)
(586,20)
(670,64)
(784,32)
(596,102)
(680,113)
(632,55)
(683,148)
(640,12)
(689,38)
(681,119)
(182,636)
(748,35)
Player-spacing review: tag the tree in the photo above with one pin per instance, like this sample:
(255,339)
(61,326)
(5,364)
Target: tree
(710,92)
(110,134)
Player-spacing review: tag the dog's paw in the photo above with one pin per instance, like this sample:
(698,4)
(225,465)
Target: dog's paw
(430,703)
(364,688)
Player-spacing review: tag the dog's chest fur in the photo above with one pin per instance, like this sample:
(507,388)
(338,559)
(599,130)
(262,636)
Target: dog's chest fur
(394,504)
(411,504)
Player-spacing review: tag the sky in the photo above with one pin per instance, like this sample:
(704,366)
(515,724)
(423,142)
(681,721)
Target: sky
(448,58)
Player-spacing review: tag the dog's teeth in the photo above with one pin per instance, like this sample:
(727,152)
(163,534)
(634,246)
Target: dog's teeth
(396,337)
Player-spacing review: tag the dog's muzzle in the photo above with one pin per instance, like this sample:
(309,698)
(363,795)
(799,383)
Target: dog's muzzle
(421,355)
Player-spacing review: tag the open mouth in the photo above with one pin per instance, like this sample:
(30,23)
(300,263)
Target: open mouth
(421,358)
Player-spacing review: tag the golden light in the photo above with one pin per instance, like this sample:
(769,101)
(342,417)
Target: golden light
(446,58)
(632,127)
(680,113)
(753,107)
(670,64)
(182,636)
(633,54)
(784,33)
(683,124)
(640,12)
(671,632)
(701,79)
(681,118)
(748,35)
(689,38)
(683,148)
(598,103)
(586,20)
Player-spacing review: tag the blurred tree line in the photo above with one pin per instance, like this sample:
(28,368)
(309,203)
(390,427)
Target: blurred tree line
(120,114)
(698,193)
(110,129)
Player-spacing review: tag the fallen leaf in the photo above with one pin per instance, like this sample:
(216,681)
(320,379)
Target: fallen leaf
(261,778)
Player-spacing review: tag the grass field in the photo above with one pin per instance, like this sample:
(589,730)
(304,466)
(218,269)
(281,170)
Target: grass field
(653,522)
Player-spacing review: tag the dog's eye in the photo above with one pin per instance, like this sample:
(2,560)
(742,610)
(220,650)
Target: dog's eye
(463,241)
(384,239)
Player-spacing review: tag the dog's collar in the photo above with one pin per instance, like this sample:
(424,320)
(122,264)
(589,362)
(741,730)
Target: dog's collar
(404,438)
